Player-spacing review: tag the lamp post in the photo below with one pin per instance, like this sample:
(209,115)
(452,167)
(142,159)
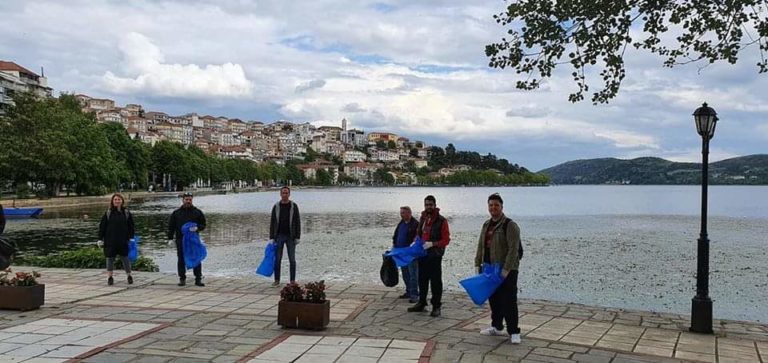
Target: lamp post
(701,307)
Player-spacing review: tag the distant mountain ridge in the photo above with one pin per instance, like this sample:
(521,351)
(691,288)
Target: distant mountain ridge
(743,170)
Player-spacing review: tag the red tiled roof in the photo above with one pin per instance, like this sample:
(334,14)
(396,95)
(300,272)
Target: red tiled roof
(10,66)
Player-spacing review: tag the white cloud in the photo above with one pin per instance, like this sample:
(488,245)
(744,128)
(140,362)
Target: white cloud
(147,73)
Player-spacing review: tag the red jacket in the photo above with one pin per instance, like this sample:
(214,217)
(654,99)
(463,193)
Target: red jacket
(426,231)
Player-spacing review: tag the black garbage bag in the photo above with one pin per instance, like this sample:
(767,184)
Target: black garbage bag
(7,250)
(389,275)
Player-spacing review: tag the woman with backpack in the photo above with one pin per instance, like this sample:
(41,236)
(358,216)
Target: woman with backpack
(499,243)
(115,230)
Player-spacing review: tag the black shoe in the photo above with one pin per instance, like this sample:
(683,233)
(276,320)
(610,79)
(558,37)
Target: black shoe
(182,282)
(403,296)
(199,282)
(130,280)
(419,307)
(110,281)
(435,312)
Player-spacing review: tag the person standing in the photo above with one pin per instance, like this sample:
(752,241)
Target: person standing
(499,242)
(186,213)
(433,229)
(115,230)
(405,233)
(285,231)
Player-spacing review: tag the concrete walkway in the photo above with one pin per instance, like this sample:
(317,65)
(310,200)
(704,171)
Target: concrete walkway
(234,320)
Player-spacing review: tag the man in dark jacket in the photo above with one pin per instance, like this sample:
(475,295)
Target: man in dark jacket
(433,229)
(179,217)
(405,233)
(285,230)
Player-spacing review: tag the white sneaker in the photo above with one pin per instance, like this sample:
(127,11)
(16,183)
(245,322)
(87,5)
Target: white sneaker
(514,338)
(491,331)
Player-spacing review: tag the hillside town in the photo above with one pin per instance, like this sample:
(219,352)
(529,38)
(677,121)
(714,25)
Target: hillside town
(340,149)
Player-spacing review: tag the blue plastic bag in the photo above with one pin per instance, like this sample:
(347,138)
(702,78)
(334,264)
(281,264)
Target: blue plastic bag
(403,256)
(194,249)
(133,248)
(267,266)
(481,287)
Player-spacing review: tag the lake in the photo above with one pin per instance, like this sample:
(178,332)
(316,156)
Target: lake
(622,246)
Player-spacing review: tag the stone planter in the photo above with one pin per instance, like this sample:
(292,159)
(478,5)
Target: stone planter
(303,315)
(22,297)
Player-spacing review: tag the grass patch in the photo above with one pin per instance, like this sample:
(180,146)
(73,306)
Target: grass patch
(89,257)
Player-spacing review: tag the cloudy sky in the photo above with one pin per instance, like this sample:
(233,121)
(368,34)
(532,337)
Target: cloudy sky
(414,68)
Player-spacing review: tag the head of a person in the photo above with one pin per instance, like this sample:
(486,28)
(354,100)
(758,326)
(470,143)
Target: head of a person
(495,205)
(285,194)
(186,200)
(430,204)
(406,213)
(117,201)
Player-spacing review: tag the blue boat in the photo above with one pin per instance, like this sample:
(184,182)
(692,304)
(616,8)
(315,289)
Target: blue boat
(12,213)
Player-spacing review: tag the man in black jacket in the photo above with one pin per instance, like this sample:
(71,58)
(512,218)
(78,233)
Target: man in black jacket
(285,230)
(179,217)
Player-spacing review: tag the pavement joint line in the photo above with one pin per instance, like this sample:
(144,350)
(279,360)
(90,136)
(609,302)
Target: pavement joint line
(97,350)
(271,344)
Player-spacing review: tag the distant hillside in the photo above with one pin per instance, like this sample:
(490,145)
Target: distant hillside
(751,169)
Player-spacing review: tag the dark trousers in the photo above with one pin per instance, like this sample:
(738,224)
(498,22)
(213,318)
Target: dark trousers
(431,273)
(285,241)
(504,305)
(182,268)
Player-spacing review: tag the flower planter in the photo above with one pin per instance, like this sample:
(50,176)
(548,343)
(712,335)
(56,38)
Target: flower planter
(303,315)
(22,297)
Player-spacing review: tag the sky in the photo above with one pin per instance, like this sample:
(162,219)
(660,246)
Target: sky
(414,68)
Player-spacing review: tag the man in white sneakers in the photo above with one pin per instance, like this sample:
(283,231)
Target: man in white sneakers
(499,243)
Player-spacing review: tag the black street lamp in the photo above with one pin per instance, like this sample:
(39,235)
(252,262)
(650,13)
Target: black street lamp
(701,311)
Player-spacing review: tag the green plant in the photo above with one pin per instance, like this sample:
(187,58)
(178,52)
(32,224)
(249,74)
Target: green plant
(89,257)
(9,278)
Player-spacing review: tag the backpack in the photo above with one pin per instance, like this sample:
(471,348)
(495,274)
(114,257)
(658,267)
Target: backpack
(127,214)
(504,230)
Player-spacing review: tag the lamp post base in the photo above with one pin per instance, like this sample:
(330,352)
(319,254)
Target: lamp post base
(701,315)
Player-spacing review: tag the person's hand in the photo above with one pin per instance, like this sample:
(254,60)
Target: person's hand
(100,243)
(504,273)
(427,245)
(296,241)
(271,242)
(193,229)
(170,243)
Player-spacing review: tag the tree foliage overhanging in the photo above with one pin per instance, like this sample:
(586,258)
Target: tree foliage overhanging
(544,34)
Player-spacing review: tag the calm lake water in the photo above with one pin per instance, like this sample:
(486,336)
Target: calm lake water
(621,246)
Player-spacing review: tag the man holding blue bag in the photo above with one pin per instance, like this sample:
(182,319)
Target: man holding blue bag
(285,231)
(405,233)
(187,213)
(499,243)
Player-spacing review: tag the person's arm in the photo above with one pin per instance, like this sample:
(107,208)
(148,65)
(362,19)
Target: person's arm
(131,226)
(272,223)
(172,226)
(445,235)
(297,220)
(480,242)
(102,227)
(200,221)
(513,243)
(394,235)
(2,219)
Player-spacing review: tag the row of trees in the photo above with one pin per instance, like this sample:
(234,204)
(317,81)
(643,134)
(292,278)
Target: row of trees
(53,146)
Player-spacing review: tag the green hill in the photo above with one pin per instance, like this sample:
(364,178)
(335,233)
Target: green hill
(744,170)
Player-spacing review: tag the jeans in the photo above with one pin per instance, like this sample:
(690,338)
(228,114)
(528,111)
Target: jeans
(411,279)
(181,266)
(504,305)
(431,274)
(124,259)
(283,240)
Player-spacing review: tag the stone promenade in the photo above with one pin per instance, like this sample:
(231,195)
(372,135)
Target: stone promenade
(234,320)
